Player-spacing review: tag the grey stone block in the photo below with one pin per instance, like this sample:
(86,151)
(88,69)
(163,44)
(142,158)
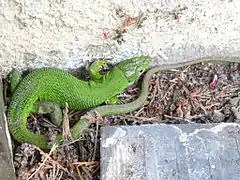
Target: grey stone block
(161,152)
(6,166)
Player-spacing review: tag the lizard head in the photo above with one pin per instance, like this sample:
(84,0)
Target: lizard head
(134,67)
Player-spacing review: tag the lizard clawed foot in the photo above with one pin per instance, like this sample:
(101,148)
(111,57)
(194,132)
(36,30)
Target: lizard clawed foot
(97,118)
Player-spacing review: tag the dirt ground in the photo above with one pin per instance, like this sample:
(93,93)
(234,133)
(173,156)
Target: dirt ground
(202,93)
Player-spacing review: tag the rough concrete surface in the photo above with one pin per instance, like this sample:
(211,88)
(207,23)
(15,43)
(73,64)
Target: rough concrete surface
(66,34)
(171,152)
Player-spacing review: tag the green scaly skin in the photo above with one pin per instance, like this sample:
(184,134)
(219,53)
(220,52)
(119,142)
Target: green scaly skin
(58,86)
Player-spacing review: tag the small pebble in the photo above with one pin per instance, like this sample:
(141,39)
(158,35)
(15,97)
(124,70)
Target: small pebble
(218,116)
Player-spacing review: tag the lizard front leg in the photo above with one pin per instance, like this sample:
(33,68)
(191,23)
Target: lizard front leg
(95,68)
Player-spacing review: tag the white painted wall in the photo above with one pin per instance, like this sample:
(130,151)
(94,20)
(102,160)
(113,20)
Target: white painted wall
(67,33)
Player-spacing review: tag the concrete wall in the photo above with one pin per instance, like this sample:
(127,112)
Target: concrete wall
(67,33)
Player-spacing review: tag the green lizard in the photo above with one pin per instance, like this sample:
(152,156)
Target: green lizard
(106,110)
(58,86)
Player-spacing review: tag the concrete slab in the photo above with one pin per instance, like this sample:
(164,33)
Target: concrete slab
(168,152)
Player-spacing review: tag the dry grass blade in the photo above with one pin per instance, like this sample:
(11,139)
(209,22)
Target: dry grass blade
(55,173)
(95,142)
(67,136)
(78,172)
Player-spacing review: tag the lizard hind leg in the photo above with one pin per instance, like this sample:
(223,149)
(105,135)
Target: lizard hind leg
(49,108)
(38,107)
(15,79)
